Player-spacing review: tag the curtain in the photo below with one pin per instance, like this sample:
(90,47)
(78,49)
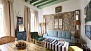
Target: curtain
(8,17)
(27,19)
(1,21)
(36,21)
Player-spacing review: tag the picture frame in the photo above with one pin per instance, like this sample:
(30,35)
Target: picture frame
(58,9)
(87,11)
(19,20)
(88,31)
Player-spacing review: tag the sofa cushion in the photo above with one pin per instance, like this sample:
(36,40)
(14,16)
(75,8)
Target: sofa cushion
(68,34)
(52,33)
(63,34)
(59,34)
(55,33)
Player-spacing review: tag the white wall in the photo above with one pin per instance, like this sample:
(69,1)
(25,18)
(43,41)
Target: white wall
(19,7)
(83,4)
(67,6)
(72,5)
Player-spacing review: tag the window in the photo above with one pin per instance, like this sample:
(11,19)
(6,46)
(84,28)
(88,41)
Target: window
(1,21)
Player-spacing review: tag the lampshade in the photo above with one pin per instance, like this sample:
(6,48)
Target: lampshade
(77,22)
(21,28)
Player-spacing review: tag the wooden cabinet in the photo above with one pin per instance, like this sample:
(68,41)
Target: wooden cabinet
(77,23)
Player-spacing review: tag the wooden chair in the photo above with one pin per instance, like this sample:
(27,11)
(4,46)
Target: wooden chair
(7,39)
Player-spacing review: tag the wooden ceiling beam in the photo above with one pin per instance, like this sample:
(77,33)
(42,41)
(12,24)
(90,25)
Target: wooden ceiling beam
(46,3)
(40,2)
(33,1)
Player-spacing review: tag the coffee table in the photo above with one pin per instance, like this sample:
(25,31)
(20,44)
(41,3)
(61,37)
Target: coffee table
(11,47)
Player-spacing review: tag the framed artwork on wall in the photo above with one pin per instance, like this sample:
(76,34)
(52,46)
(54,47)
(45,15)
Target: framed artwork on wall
(88,31)
(58,9)
(87,11)
(20,20)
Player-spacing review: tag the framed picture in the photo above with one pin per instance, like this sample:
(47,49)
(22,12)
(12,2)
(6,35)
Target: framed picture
(88,31)
(58,9)
(87,11)
(19,20)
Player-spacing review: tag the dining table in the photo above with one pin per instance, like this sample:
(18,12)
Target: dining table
(12,47)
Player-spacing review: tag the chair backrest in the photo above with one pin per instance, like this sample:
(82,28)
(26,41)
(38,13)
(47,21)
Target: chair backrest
(34,35)
(22,36)
(8,39)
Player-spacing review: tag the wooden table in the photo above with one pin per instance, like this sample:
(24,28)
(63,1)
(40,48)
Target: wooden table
(11,47)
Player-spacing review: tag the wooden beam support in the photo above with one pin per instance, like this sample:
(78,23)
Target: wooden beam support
(46,3)
(40,2)
(33,1)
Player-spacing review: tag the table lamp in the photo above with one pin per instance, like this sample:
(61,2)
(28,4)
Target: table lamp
(21,28)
